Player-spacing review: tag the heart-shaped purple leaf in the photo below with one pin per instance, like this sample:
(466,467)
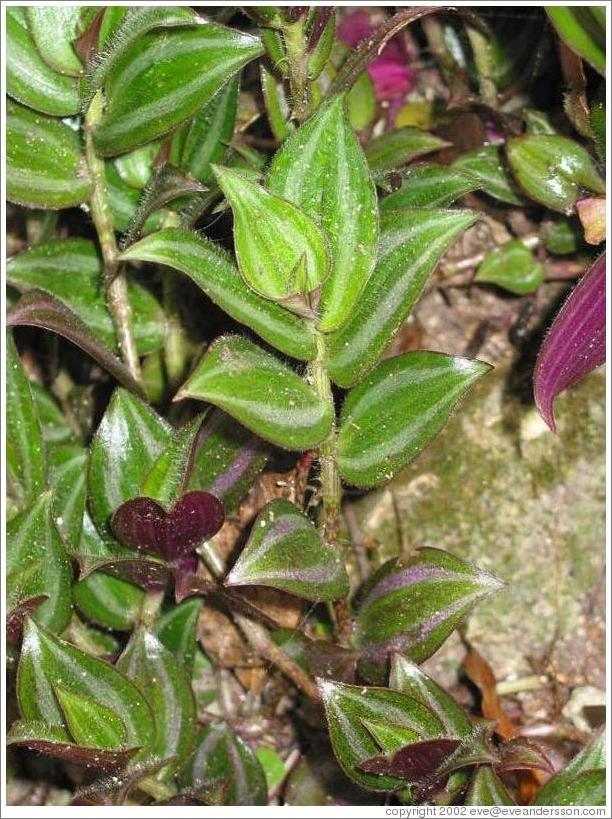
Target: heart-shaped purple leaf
(144,524)
(576,342)
(416,762)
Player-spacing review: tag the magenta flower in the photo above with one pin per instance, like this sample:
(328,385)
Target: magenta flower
(576,342)
(391,76)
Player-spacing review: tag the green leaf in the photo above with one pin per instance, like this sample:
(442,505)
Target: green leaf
(429,186)
(486,788)
(224,766)
(55,429)
(391,416)
(25,453)
(513,267)
(348,707)
(212,270)
(276,104)
(582,781)
(164,78)
(486,168)
(210,132)
(70,270)
(584,33)
(67,469)
(281,251)
(361,105)
(411,244)
(44,164)
(90,723)
(90,639)
(412,606)
(106,600)
(37,564)
(396,148)
(408,678)
(228,460)
(53,741)
(136,167)
(53,29)
(154,669)
(46,662)
(261,393)
(176,630)
(38,309)
(321,168)
(285,551)
(130,438)
(561,235)
(28,77)
(553,170)
(167,479)
(273,766)
(124,200)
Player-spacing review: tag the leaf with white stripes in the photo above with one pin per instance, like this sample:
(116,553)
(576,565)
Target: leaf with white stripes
(156,672)
(412,606)
(54,29)
(37,564)
(164,78)
(322,169)
(410,246)
(486,168)
(212,270)
(225,768)
(391,416)
(286,551)
(261,392)
(349,707)
(67,472)
(429,186)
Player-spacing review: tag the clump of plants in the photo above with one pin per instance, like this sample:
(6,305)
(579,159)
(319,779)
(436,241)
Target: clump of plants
(217,227)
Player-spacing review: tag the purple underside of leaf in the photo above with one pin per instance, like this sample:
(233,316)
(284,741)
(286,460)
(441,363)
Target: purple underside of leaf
(416,762)
(576,342)
(15,617)
(521,754)
(38,309)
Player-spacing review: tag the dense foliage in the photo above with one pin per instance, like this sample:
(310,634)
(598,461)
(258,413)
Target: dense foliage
(217,227)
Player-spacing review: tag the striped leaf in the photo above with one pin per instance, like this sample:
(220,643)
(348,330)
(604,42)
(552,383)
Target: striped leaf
(214,273)
(486,168)
(164,78)
(583,28)
(412,606)
(176,630)
(154,669)
(285,551)
(411,244)
(29,79)
(348,707)
(408,678)
(25,453)
(261,393)
(38,309)
(321,168)
(91,723)
(44,164)
(281,251)
(67,472)
(53,29)
(168,476)
(109,601)
(205,140)
(513,267)
(582,782)
(55,429)
(396,148)
(228,460)
(486,788)
(553,170)
(37,564)
(225,768)
(46,662)
(391,416)
(70,270)
(429,186)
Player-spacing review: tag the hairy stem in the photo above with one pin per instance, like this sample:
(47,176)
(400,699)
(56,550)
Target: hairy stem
(114,277)
(295,45)
(331,486)
(257,635)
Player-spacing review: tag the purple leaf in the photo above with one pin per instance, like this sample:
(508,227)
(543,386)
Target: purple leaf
(416,762)
(16,616)
(521,754)
(144,524)
(576,342)
(38,309)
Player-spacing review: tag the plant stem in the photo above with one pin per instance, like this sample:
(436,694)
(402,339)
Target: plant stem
(114,277)
(295,45)
(481,49)
(257,635)
(331,486)
(150,607)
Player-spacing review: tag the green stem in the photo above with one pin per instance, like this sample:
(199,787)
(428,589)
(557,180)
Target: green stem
(114,276)
(150,607)
(295,45)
